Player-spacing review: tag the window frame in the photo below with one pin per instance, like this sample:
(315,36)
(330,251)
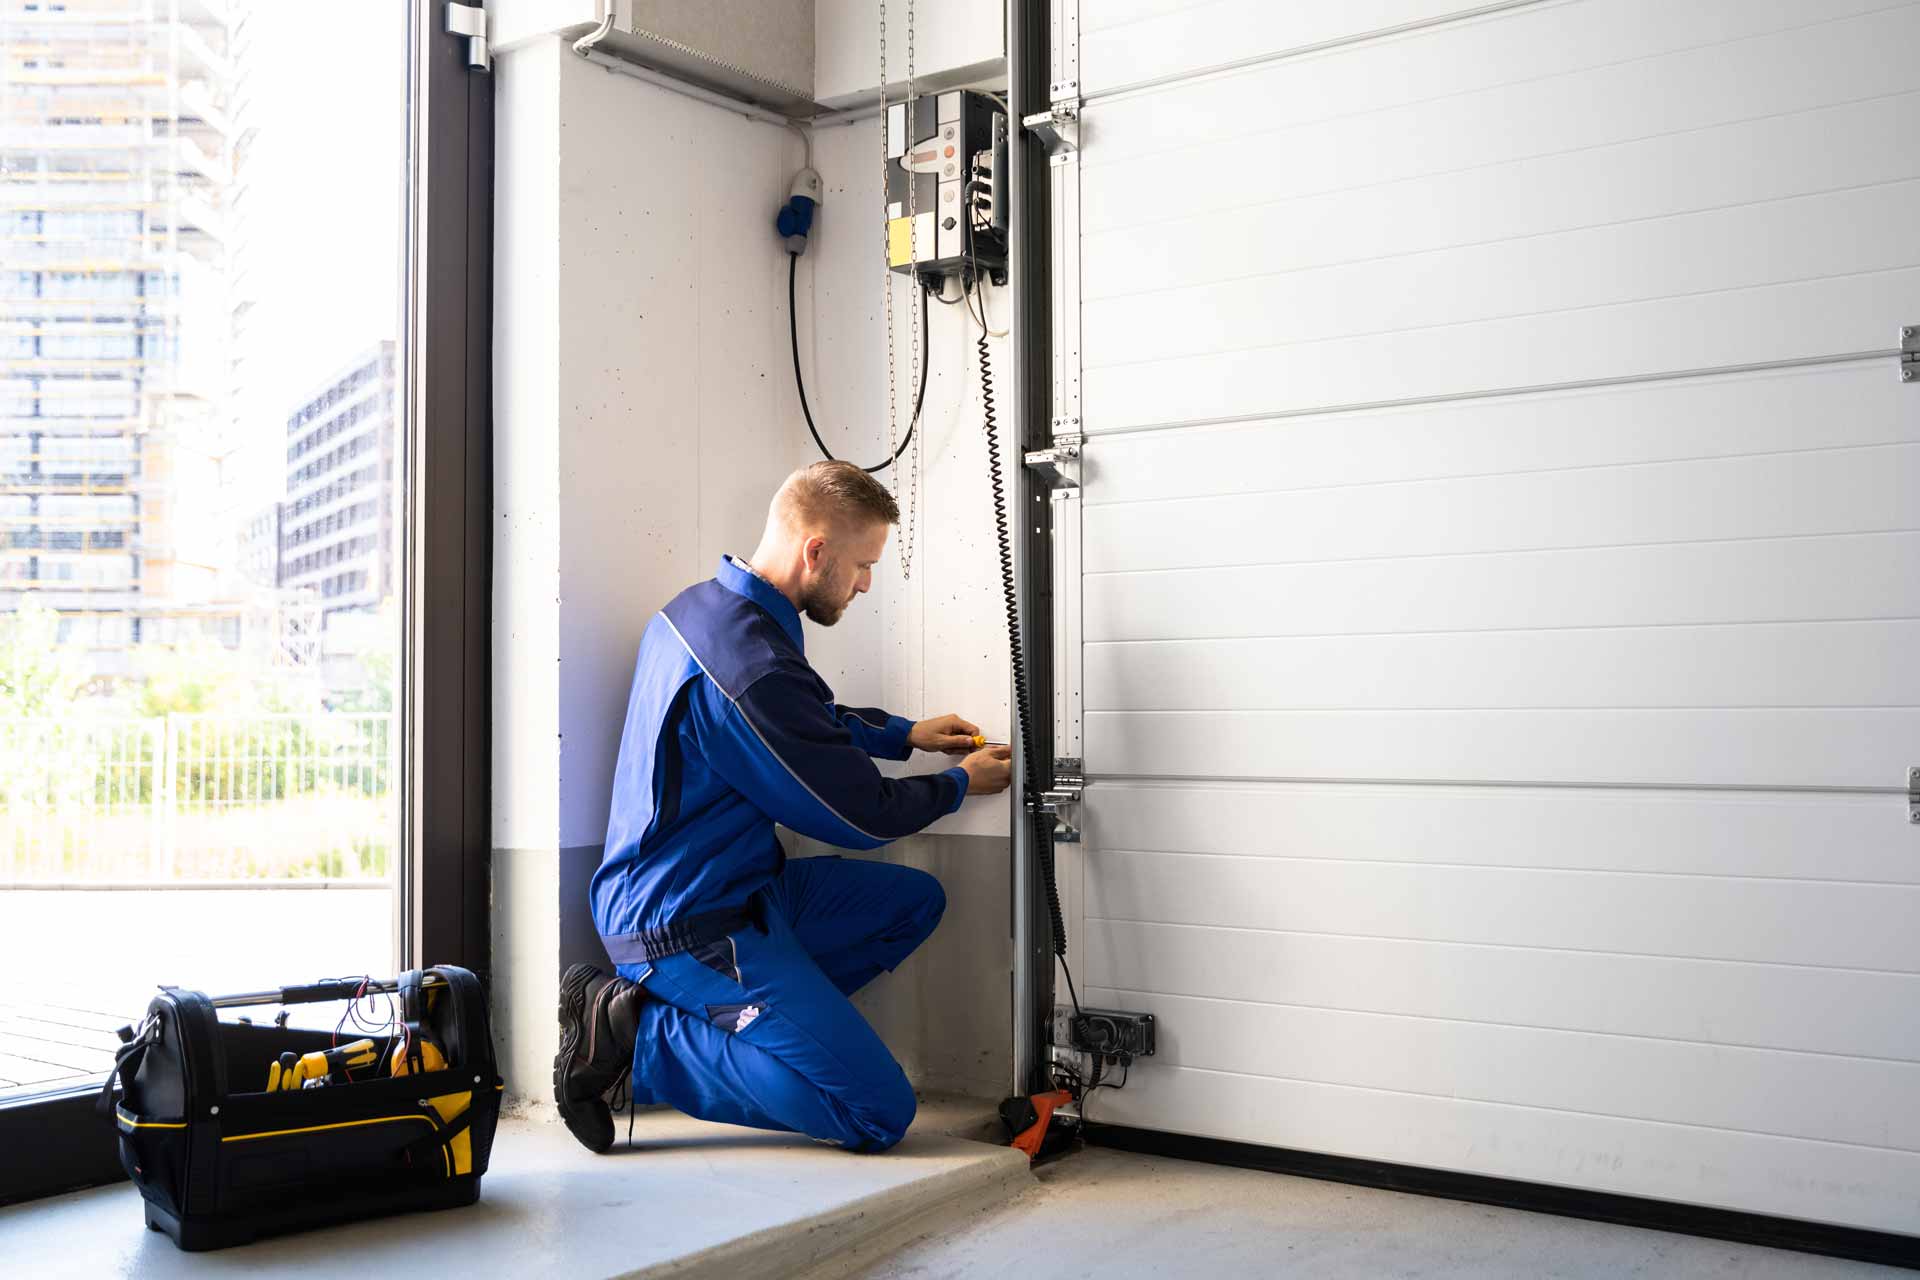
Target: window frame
(446,588)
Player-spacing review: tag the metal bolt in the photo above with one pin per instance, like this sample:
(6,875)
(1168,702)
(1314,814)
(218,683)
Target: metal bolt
(213,1111)
(423,1102)
(1909,333)
(1908,375)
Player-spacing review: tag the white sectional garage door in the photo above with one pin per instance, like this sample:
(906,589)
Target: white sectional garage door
(1501,585)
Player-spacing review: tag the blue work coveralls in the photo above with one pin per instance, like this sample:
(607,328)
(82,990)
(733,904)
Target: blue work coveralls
(749,957)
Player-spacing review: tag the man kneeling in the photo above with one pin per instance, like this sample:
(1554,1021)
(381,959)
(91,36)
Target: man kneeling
(734,964)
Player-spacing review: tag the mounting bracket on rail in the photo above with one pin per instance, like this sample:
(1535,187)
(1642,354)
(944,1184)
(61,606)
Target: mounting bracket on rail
(1913,795)
(1068,785)
(1059,465)
(1910,353)
(1058,127)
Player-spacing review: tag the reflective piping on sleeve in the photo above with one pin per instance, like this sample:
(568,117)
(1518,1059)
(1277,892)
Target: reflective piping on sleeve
(762,740)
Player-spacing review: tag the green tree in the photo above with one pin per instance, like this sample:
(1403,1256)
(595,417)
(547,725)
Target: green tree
(39,676)
(194,677)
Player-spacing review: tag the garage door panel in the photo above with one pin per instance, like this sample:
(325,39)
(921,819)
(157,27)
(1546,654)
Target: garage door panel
(1843,664)
(1868,1187)
(1127,41)
(1773,835)
(1724,748)
(1848,577)
(1499,575)
(1344,122)
(1853,146)
(1726,415)
(1708,918)
(1766,1091)
(1837,491)
(1736,329)
(1816,1011)
(1643,263)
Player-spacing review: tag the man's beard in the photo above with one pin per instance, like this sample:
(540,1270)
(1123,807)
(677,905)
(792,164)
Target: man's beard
(820,602)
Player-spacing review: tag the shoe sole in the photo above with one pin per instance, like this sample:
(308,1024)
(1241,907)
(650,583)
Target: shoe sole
(593,1133)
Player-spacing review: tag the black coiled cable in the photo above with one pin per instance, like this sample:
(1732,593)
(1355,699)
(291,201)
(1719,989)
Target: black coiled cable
(800,383)
(1023,702)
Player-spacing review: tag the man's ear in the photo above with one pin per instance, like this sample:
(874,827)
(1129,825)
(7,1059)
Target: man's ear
(813,551)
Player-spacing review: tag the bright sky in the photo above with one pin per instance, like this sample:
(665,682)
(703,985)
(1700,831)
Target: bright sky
(325,207)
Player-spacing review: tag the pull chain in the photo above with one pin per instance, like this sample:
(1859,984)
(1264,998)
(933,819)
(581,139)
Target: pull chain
(886,241)
(910,517)
(886,271)
(910,513)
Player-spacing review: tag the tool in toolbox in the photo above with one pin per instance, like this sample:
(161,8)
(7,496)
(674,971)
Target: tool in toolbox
(401,1117)
(322,1066)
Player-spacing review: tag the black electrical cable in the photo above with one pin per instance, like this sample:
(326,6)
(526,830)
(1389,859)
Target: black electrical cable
(1042,837)
(800,383)
(1086,1094)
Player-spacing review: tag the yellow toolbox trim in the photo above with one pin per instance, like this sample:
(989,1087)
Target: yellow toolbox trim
(445,1155)
(131,1123)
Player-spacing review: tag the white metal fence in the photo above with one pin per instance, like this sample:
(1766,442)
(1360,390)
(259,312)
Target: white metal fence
(187,798)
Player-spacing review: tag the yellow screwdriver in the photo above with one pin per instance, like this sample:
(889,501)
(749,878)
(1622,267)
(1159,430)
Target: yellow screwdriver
(321,1064)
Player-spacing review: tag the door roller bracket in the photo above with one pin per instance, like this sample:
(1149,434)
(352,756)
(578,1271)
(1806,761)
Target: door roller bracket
(1913,795)
(1910,353)
(1061,802)
(1059,465)
(1058,127)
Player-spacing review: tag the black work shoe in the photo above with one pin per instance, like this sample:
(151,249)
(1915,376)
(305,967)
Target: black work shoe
(599,1015)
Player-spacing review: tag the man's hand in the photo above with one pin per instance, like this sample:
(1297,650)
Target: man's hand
(989,771)
(950,734)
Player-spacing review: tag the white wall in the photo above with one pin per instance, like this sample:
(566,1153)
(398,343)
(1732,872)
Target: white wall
(644,415)
(526,561)
(955,42)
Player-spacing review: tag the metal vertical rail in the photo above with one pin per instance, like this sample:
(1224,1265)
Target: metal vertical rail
(1029,61)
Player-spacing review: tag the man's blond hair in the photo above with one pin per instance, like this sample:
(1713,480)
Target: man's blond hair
(838,493)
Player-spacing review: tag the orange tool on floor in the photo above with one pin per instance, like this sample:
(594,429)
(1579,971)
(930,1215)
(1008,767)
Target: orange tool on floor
(1034,1114)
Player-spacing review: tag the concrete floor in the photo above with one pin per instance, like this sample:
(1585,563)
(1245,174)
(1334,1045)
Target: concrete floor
(1115,1214)
(688,1199)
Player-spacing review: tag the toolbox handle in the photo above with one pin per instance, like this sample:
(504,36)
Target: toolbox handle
(317,992)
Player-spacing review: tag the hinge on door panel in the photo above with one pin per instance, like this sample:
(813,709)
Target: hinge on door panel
(1059,465)
(1058,127)
(1064,795)
(1910,353)
(470,20)
(1913,795)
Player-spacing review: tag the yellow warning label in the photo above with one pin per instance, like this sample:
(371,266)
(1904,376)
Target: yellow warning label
(899,241)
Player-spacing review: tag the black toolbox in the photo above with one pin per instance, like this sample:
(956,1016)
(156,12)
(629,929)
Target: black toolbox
(221,1159)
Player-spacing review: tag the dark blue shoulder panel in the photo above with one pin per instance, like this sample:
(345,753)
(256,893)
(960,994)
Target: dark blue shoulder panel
(733,639)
